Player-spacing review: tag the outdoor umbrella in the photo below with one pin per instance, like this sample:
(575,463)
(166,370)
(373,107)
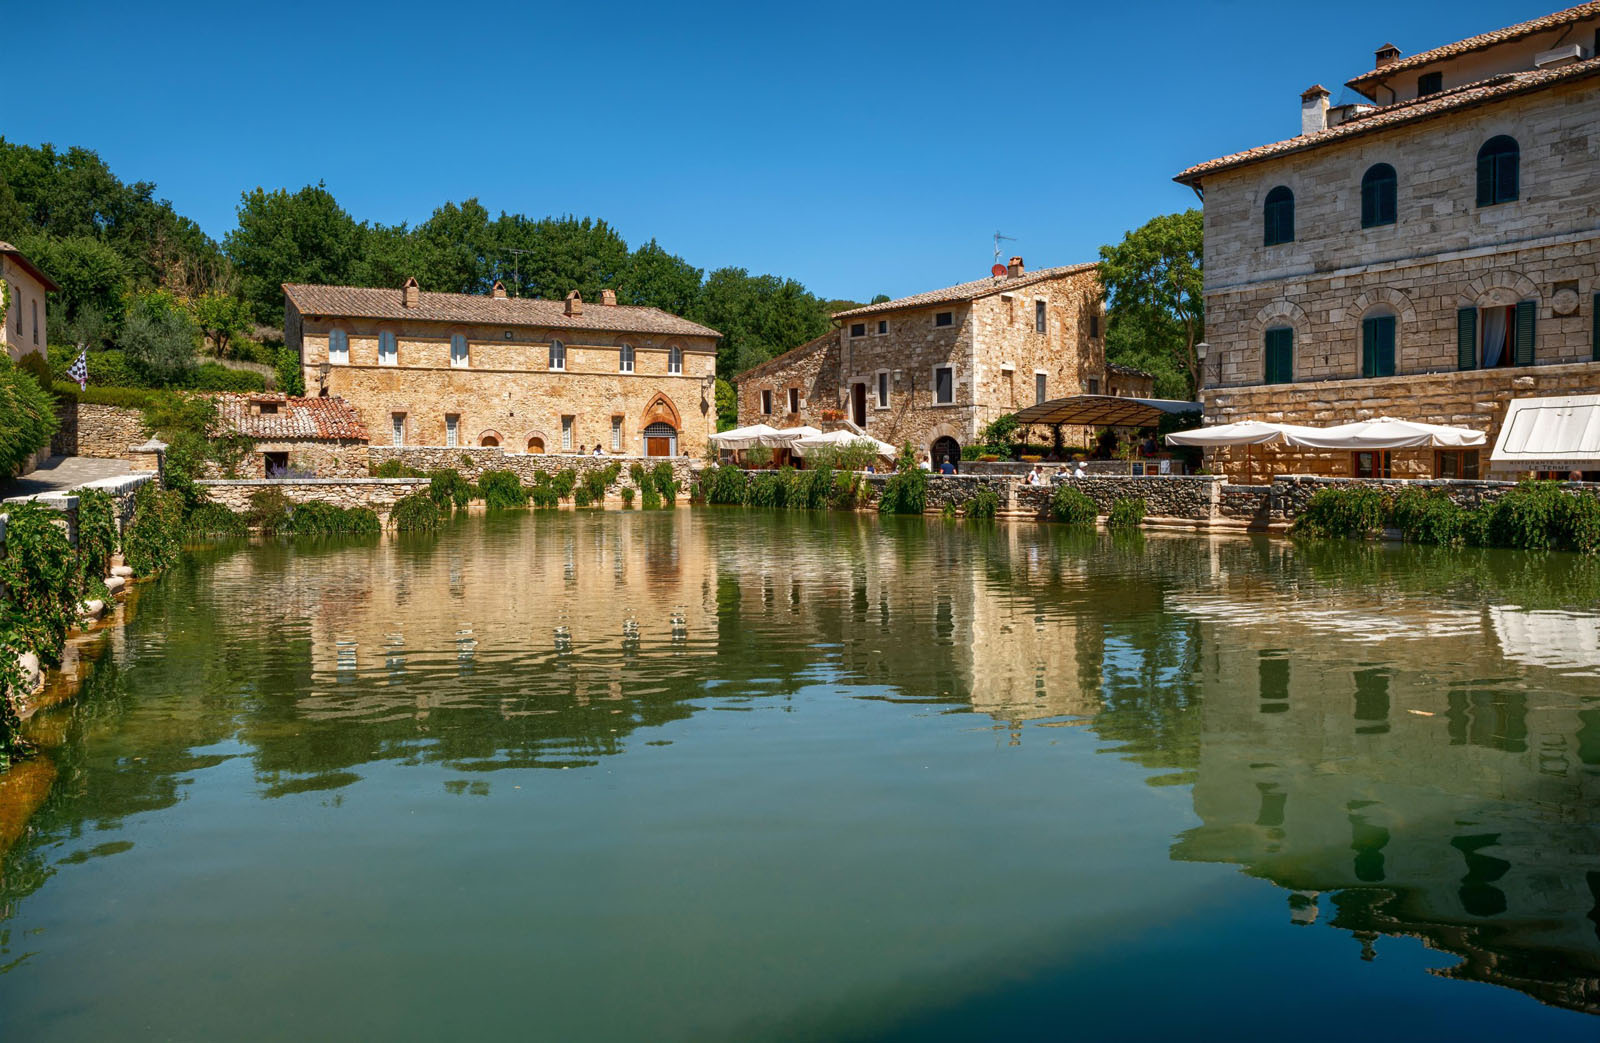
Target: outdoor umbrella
(1385,433)
(841,439)
(1245,432)
(743,437)
(786,437)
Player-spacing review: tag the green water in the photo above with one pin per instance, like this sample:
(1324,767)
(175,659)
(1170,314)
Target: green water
(724,775)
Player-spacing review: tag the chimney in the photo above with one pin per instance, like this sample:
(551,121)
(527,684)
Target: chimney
(574,303)
(1014,268)
(1314,109)
(1386,56)
(499,290)
(608,298)
(410,295)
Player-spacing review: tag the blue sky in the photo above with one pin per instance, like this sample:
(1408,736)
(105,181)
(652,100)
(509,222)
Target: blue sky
(861,148)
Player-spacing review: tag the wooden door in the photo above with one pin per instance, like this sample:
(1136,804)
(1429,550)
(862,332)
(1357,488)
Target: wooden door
(657,446)
(858,402)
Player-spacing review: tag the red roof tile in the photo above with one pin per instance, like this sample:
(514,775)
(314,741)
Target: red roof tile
(322,419)
(1476,43)
(967,291)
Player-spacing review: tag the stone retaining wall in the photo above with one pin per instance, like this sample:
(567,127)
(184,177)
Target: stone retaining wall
(1290,493)
(91,429)
(379,494)
(472,461)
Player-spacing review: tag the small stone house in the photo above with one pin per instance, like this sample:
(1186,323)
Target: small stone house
(24,329)
(934,368)
(316,437)
(1429,252)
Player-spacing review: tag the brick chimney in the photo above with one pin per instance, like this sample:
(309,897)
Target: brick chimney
(499,290)
(1314,109)
(1385,56)
(574,303)
(608,298)
(1014,268)
(410,295)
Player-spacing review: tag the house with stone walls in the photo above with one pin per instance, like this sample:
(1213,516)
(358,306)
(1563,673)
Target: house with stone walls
(1428,252)
(311,437)
(24,319)
(934,368)
(529,376)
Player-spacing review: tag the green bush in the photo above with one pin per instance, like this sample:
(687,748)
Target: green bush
(97,532)
(1351,511)
(649,499)
(1127,512)
(211,376)
(395,469)
(414,513)
(906,491)
(290,378)
(126,398)
(564,481)
(627,497)
(1430,517)
(724,485)
(985,503)
(1072,506)
(40,574)
(27,417)
(318,518)
(502,490)
(269,510)
(765,489)
(666,483)
(581,497)
(213,519)
(150,541)
(448,489)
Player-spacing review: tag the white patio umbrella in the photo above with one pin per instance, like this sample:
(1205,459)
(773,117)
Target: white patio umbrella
(839,440)
(742,437)
(784,438)
(1386,432)
(1244,432)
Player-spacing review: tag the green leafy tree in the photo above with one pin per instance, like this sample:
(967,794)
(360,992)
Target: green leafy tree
(454,251)
(282,237)
(1155,291)
(727,405)
(27,416)
(221,318)
(159,339)
(91,274)
(759,316)
(658,279)
(558,255)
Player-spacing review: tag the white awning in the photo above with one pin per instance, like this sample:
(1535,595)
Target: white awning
(1386,432)
(1549,434)
(742,437)
(785,437)
(841,439)
(1245,432)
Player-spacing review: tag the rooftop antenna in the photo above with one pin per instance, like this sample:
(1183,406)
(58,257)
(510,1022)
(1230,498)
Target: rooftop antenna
(516,266)
(997,238)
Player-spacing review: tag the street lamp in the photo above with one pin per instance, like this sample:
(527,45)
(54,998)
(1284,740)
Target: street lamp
(1200,352)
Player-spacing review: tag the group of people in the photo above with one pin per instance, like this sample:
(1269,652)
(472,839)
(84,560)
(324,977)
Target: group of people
(1036,476)
(946,465)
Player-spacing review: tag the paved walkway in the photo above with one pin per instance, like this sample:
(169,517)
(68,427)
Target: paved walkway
(60,473)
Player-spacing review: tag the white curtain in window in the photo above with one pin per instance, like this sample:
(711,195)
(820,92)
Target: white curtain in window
(1494,336)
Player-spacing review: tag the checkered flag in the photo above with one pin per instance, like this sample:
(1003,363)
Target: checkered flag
(79,370)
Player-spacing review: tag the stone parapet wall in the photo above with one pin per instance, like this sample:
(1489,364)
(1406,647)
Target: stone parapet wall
(379,494)
(91,429)
(1290,493)
(473,461)
(1251,503)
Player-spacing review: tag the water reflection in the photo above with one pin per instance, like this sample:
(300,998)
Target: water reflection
(1406,742)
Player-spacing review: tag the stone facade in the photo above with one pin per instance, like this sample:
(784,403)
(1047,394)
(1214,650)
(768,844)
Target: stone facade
(506,391)
(1444,254)
(90,429)
(986,334)
(379,494)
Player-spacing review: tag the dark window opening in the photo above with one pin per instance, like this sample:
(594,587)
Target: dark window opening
(1278,217)
(766,402)
(944,385)
(1040,322)
(1373,464)
(1498,161)
(1430,83)
(1038,388)
(858,329)
(794,400)
(883,326)
(883,389)
(1377,346)
(1094,325)
(1279,367)
(1094,385)
(276,464)
(1456,463)
(944,318)
(1378,189)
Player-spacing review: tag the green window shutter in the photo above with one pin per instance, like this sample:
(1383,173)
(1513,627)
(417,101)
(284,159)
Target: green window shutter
(1596,313)
(1466,338)
(1369,347)
(1385,359)
(1280,356)
(1522,351)
(1485,180)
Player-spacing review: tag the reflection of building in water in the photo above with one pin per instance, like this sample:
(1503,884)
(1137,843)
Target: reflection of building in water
(1445,799)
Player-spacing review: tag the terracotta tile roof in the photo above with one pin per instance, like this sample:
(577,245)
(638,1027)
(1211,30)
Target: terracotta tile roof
(792,355)
(1427,107)
(28,266)
(967,291)
(1476,43)
(358,302)
(325,419)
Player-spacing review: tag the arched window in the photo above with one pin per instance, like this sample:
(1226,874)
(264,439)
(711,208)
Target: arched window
(674,359)
(388,349)
(558,355)
(458,350)
(1377,345)
(1497,171)
(1377,196)
(1279,363)
(339,347)
(625,359)
(535,446)
(1279,216)
(489,441)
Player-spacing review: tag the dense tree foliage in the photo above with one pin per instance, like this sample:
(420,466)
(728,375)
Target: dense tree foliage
(1154,289)
(27,416)
(301,237)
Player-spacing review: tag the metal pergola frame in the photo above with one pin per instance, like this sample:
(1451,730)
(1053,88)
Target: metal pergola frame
(1103,411)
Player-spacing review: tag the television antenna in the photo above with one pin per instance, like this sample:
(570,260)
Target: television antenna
(516,266)
(997,238)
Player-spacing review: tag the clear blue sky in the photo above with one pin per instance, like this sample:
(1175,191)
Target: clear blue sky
(861,148)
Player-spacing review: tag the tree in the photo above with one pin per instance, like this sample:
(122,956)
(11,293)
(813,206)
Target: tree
(727,405)
(90,273)
(159,338)
(304,237)
(221,318)
(455,249)
(658,279)
(1154,288)
(759,316)
(558,255)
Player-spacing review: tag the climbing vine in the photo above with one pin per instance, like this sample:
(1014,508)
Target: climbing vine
(152,540)
(97,534)
(40,574)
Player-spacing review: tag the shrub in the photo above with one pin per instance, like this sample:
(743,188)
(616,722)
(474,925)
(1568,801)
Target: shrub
(580,496)
(1072,506)
(447,488)
(1429,516)
(40,575)
(150,542)
(213,519)
(765,489)
(126,398)
(319,518)
(666,483)
(1578,523)
(502,490)
(269,510)
(724,484)
(649,499)
(906,491)
(27,417)
(210,376)
(97,533)
(564,481)
(627,497)
(395,469)
(1127,512)
(845,492)
(985,503)
(1352,511)
(414,513)
(290,378)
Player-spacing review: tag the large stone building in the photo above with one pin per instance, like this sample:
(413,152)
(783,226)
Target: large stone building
(932,369)
(1428,255)
(535,376)
(24,317)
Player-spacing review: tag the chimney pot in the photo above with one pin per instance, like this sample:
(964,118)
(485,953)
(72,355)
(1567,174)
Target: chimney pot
(574,303)
(608,298)
(499,290)
(1014,268)
(1386,56)
(1314,109)
(410,294)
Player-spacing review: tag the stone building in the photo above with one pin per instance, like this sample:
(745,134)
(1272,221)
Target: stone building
(1427,254)
(315,437)
(932,369)
(534,376)
(24,319)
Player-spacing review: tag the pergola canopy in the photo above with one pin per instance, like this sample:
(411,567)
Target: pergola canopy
(1103,411)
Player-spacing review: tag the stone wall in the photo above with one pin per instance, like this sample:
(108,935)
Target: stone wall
(91,429)
(1193,498)
(811,370)
(1290,493)
(379,494)
(472,462)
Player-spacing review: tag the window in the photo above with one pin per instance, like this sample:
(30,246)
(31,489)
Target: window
(275,465)
(1279,356)
(1430,83)
(1094,325)
(1374,464)
(388,349)
(616,434)
(1377,346)
(1378,196)
(1488,338)
(883,389)
(766,402)
(944,318)
(451,427)
(674,359)
(1094,385)
(944,385)
(883,327)
(339,347)
(35,304)
(566,434)
(558,355)
(17,312)
(1038,388)
(458,350)
(397,427)
(794,400)
(858,329)
(625,359)
(1040,323)
(1497,171)
(268,408)
(1279,217)
(1595,315)
(1455,463)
